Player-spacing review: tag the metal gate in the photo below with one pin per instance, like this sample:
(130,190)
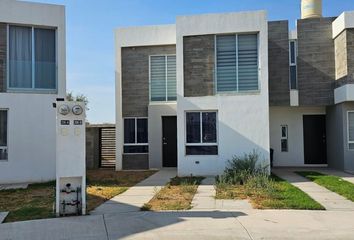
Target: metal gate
(107,147)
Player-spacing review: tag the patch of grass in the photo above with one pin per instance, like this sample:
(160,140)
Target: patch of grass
(36,202)
(104,184)
(332,183)
(176,195)
(280,195)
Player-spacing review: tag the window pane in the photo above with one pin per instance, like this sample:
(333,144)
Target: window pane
(3,128)
(158,78)
(247,62)
(129,130)
(293,77)
(136,149)
(45,64)
(20,57)
(284,145)
(284,133)
(226,63)
(209,127)
(193,127)
(201,150)
(142,128)
(351,126)
(171,78)
(292,52)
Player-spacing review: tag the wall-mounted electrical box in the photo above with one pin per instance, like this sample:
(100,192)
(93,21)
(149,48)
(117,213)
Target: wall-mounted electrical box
(70,158)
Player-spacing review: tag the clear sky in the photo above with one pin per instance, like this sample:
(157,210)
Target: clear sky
(90,38)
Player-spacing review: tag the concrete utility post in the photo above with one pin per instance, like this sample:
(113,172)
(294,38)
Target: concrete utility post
(70,158)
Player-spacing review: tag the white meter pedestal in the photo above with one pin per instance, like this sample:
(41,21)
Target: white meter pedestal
(70,159)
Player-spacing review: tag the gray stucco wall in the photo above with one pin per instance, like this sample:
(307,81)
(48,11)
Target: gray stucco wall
(92,148)
(278,54)
(316,68)
(335,144)
(199,58)
(135,91)
(135,78)
(3,49)
(339,155)
(348,154)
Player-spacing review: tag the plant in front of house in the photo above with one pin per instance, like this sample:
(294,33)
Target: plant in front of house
(246,178)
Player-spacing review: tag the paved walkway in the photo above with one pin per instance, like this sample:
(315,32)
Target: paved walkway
(245,224)
(327,198)
(204,199)
(3,215)
(135,197)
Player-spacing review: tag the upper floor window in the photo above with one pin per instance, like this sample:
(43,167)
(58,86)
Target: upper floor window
(163,78)
(3,134)
(237,62)
(32,58)
(293,64)
(351,130)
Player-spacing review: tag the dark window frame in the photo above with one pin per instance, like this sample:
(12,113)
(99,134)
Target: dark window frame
(140,147)
(4,147)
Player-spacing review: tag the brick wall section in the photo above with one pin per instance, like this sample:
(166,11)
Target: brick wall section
(316,68)
(135,78)
(199,58)
(134,162)
(350,52)
(3,56)
(278,54)
(340,46)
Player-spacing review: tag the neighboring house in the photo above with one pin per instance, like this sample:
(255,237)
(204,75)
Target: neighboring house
(184,101)
(193,94)
(32,76)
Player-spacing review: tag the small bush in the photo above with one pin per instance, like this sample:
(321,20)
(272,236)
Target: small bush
(241,169)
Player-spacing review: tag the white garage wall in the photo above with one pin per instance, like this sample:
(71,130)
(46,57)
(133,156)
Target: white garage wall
(293,117)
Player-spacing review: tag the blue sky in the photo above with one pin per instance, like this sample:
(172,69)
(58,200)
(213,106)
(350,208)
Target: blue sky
(90,39)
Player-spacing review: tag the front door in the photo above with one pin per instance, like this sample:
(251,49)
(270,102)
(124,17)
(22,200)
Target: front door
(315,148)
(169,141)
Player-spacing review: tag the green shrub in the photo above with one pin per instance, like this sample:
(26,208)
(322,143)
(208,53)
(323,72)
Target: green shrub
(241,170)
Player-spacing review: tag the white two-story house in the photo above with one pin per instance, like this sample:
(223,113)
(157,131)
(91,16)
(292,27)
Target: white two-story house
(32,76)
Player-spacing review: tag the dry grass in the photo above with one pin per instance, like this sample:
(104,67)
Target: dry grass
(282,195)
(36,202)
(104,184)
(176,195)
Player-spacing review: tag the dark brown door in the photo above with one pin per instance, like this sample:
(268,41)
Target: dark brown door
(169,141)
(315,147)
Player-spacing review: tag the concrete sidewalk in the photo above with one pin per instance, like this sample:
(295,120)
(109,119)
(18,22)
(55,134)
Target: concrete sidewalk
(327,198)
(135,197)
(204,199)
(247,224)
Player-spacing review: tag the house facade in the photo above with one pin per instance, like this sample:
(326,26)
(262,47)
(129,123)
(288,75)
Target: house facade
(193,94)
(32,76)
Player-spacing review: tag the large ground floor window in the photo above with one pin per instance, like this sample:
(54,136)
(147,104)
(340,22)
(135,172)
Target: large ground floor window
(201,133)
(136,135)
(3,134)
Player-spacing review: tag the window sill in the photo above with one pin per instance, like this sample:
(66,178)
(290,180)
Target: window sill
(32,91)
(162,102)
(235,93)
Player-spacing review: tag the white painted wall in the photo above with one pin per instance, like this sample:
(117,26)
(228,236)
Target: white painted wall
(155,114)
(293,117)
(31,125)
(243,119)
(128,37)
(344,93)
(344,21)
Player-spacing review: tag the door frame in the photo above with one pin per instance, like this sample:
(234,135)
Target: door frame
(303,140)
(162,135)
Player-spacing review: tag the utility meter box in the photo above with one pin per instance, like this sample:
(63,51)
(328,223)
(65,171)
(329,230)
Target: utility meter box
(70,158)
